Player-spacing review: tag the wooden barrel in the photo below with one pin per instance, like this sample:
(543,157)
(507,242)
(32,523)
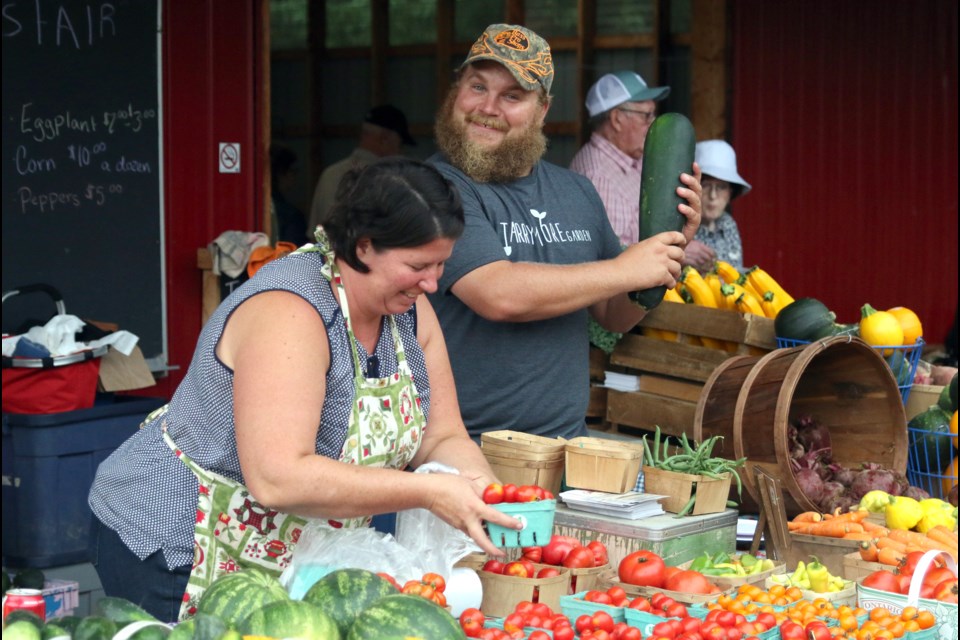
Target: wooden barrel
(843,383)
(714,417)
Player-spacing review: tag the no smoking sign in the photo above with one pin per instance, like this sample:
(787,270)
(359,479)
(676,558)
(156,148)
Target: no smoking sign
(229,157)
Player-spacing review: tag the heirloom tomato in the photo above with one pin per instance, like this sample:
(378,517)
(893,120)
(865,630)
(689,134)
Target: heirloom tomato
(642,568)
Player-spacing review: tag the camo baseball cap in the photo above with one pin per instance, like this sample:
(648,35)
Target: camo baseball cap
(525,54)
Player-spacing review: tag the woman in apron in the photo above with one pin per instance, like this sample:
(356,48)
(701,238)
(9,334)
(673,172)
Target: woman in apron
(312,387)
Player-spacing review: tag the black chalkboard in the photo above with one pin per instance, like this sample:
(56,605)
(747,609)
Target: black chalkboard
(81,159)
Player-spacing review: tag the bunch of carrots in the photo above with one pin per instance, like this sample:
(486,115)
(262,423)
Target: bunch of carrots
(877,542)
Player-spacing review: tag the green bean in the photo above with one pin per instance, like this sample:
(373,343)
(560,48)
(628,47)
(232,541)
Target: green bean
(687,508)
(732,503)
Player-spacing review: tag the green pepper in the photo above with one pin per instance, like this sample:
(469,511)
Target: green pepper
(819,576)
(722,558)
(702,562)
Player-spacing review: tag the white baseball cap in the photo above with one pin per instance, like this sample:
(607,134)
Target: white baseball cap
(718,160)
(613,89)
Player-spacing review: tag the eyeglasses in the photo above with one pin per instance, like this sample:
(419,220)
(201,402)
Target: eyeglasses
(716,188)
(646,116)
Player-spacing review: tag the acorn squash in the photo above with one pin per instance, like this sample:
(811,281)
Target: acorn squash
(805,319)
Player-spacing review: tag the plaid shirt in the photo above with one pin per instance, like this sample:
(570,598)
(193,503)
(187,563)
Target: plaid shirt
(617,179)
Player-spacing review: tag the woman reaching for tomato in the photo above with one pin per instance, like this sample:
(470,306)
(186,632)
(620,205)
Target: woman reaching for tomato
(312,387)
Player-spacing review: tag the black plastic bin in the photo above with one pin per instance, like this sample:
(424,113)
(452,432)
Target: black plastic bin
(49,461)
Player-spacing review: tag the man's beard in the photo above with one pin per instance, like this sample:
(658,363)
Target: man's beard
(513,158)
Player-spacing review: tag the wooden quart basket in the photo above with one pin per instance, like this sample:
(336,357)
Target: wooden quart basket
(601,464)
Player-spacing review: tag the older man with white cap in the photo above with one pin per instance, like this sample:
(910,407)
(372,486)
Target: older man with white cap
(621,108)
(718,237)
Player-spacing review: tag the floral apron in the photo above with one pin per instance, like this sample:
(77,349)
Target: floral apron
(234,531)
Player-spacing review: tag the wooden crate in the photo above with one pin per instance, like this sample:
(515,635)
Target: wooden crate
(672,374)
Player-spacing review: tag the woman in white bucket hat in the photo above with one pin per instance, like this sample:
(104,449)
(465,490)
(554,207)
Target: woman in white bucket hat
(718,237)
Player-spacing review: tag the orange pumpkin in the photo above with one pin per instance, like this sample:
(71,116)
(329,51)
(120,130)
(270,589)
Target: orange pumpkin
(909,322)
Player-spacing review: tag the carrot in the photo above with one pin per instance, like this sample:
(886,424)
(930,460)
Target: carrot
(885,542)
(852,516)
(868,551)
(858,535)
(942,534)
(808,516)
(877,529)
(830,529)
(913,538)
(890,556)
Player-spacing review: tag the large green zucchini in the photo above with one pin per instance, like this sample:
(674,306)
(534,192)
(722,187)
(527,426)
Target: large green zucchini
(668,151)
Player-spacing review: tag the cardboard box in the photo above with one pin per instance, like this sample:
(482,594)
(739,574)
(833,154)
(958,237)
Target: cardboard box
(60,597)
(675,540)
(679,487)
(602,464)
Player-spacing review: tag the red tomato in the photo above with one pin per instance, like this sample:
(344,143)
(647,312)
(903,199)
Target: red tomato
(516,568)
(531,570)
(583,623)
(579,558)
(533,554)
(936,575)
(946,591)
(903,582)
(601,620)
(883,580)
(493,566)
(558,548)
(548,495)
(563,632)
(689,582)
(725,618)
(512,622)
(642,568)
(471,621)
(493,493)
(790,630)
(677,610)
(690,625)
(640,604)
(817,630)
(527,493)
(548,572)
(663,629)
(600,556)
(389,578)
(542,610)
(766,619)
(435,580)
(538,635)
(509,492)
(669,571)
(909,563)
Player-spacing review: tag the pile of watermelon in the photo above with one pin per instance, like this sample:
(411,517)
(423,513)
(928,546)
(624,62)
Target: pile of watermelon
(347,604)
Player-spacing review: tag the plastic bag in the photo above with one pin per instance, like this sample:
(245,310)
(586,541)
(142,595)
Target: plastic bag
(424,543)
(438,544)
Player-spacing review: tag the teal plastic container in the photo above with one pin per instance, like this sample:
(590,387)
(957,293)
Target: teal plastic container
(537,518)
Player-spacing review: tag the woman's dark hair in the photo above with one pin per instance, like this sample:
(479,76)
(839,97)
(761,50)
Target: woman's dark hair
(396,202)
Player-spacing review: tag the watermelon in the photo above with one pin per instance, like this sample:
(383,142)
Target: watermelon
(51,631)
(122,611)
(401,616)
(95,628)
(290,619)
(27,616)
(233,596)
(931,446)
(21,630)
(344,593)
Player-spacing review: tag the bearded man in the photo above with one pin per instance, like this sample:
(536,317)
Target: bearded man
(538,253)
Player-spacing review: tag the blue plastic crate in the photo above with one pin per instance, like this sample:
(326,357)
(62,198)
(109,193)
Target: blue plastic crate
(49,461)
(902,360)
(537,518)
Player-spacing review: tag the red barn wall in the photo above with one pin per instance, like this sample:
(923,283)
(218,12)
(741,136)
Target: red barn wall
(845,123)
(209,71)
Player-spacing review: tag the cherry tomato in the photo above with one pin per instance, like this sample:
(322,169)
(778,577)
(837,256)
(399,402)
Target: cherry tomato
(527,493)
(538,635)
(493,493)
(563,632)
(642,568)
(603,621)
(509,492)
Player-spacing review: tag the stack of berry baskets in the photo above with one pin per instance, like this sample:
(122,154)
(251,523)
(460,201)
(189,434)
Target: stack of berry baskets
(902,360)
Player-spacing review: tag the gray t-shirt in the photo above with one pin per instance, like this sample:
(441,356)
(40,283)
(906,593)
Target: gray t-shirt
(523,376)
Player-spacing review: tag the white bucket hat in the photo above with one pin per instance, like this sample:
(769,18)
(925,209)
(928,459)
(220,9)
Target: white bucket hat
(614,89)
(717,159)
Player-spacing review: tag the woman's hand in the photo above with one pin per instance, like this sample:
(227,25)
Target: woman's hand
(455,501)
(699,256)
